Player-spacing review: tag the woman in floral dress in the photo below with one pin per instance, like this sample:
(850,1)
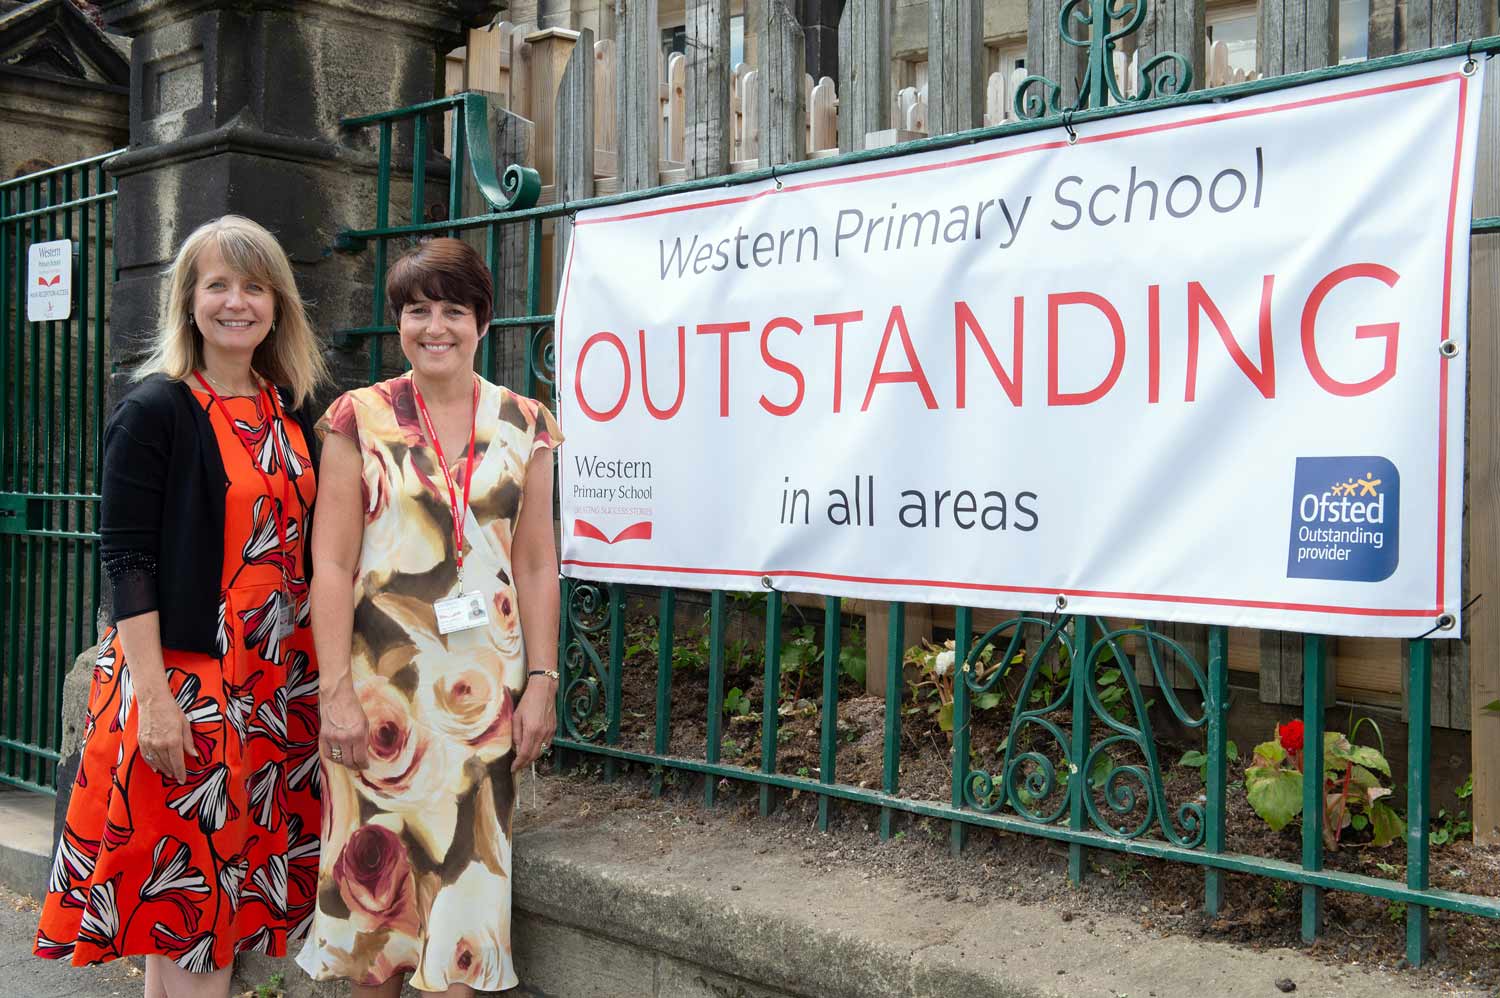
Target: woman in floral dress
(191,834)
(435,611)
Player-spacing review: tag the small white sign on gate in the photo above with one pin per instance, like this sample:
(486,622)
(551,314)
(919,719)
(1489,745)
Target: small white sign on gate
(49,281)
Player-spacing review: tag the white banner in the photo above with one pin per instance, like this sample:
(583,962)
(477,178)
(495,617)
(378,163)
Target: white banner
(1192,367)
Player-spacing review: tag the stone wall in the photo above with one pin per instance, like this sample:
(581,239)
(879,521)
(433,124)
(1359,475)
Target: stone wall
(57,122)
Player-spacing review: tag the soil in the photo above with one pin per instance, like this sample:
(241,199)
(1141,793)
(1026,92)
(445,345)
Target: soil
(1164,896)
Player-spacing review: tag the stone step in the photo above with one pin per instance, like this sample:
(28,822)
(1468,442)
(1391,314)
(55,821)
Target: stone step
(25,840)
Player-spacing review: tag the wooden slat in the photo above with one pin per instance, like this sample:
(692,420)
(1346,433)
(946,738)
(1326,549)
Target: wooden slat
(574,152)
(1384,27)
(1443,22)
(877,639)
(550,50)
(864,71)
(638,94)
(487,58)
(1483,623)
(823,120)
(783,64)
(520,70)
(706,144)
(675,89)
(1297,34)
(1047,54)
(606,156)
(955,65)
(1173,26)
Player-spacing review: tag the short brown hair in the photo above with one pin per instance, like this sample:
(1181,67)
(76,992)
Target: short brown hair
(442,270)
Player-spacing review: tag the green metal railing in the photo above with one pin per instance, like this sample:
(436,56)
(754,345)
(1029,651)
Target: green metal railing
(51,406)
(1045,794)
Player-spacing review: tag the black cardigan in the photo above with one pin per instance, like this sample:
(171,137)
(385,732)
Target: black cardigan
(162,517)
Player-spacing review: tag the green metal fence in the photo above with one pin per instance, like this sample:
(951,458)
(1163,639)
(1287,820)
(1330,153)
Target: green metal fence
(1046,793)
(52,378)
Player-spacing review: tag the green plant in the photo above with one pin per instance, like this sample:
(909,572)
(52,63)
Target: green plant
(852,662)
(1447,827)
(933,671)
(272,988)
(736,702)
(1353,795)
(1193,759)
(1113,690)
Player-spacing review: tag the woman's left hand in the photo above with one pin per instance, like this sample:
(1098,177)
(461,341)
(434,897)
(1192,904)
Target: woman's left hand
(535,721)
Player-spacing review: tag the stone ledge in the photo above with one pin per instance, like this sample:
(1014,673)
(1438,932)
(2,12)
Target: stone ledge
(617,897)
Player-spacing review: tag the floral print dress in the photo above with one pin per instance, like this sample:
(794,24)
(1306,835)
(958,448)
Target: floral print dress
(415,874)
(226,862)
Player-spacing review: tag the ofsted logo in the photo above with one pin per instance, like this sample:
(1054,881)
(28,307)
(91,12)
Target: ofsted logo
(1346,519)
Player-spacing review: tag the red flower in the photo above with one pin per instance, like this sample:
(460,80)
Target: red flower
(375,880)
(1290,736)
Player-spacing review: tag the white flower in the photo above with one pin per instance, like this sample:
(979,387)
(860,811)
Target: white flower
(943,664)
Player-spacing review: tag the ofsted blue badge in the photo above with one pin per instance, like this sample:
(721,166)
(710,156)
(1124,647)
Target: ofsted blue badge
(1346,519)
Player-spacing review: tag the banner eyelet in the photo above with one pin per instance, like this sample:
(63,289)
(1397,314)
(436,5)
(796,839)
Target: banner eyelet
(1448,348)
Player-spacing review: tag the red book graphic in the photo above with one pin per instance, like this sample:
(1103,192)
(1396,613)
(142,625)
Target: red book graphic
(46,283)
(635,532)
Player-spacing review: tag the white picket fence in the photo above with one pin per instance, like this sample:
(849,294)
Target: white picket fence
(500,61)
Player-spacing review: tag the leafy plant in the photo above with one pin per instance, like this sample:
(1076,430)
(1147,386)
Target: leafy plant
(271,988)
(1353,795)
(1053,675)
(802,658)
(736,702)
(1193,759)
(933,669)
(1447,827)
(852,662)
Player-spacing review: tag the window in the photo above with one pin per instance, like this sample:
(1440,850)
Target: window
(1354,30)
(1007,59)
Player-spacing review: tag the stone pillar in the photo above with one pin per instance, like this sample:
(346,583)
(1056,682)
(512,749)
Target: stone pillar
(820,27)
(235,107)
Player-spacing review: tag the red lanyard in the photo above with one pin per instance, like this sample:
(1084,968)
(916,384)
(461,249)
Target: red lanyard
(286,482)
(458,511)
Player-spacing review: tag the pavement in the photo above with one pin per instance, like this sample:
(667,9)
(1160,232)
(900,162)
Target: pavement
(24,976)
(621,904)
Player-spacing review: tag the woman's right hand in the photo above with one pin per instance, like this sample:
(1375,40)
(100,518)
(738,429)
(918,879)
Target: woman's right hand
(345,732)
(165,735)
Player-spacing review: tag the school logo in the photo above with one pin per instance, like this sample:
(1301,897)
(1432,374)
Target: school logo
(1346,519)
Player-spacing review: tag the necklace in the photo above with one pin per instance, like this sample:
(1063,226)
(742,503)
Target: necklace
(233,391)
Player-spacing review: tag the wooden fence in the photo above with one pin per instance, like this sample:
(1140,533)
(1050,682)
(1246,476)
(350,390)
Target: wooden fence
(695,115)
(511,62)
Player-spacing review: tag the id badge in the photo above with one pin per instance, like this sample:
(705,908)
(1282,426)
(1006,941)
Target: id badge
(461,612)
(286,615)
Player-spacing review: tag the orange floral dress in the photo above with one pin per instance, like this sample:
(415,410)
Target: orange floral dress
(416,848)
(226,862)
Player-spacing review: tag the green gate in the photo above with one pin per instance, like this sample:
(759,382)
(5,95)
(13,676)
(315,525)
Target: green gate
(1025,794)
(52,380)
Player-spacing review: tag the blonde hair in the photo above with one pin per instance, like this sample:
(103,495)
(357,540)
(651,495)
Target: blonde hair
(290,354)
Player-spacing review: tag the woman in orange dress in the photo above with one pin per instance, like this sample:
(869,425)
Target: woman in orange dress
(192,833)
